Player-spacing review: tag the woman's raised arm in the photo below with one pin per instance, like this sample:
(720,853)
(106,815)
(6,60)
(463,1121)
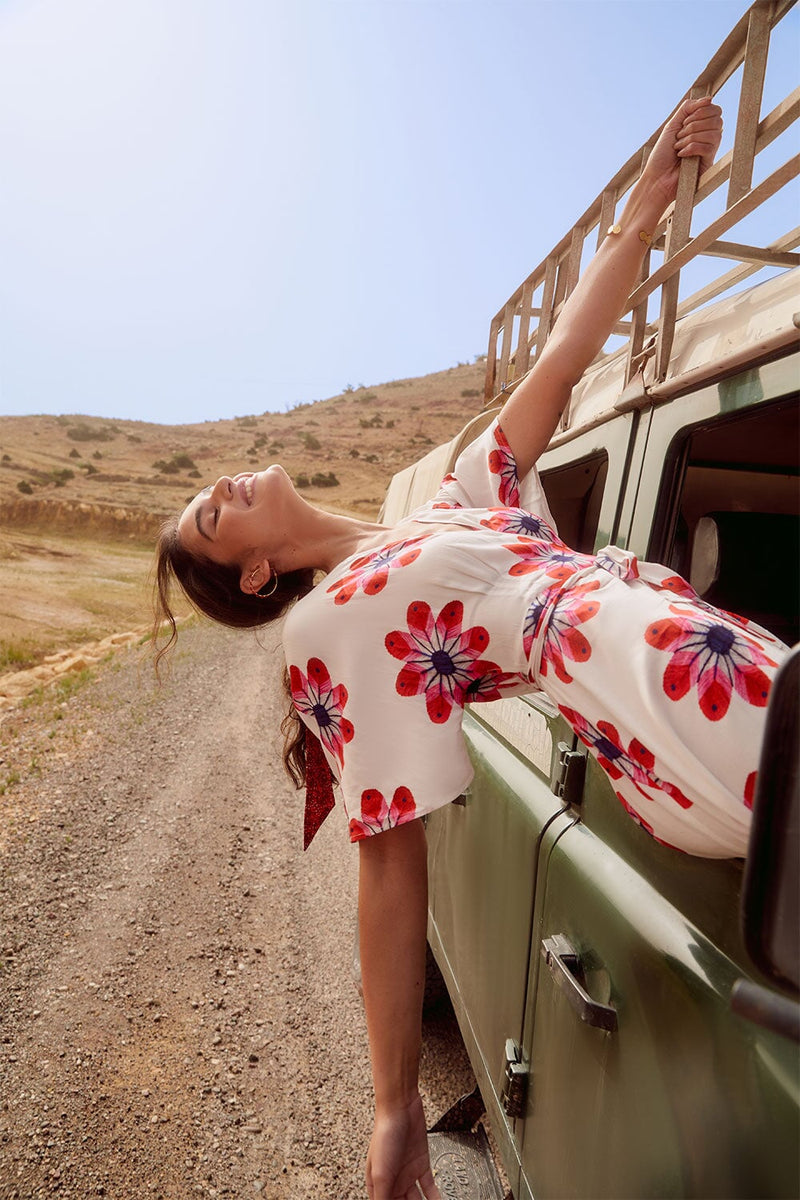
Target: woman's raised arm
(531,415)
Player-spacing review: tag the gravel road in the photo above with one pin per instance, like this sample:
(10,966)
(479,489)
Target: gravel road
(177,1015)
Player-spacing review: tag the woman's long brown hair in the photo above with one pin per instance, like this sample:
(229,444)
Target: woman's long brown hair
(214,590)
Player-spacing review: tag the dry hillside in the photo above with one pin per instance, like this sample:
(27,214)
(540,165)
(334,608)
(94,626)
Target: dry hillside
(81,497)
(75,471)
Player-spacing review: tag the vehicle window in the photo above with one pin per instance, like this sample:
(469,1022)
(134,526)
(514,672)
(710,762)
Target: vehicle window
(574,494)
(735,530)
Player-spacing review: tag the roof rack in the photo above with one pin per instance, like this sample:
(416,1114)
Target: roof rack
(543,294)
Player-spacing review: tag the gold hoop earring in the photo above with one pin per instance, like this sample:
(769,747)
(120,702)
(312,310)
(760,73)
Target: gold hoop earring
(263,595)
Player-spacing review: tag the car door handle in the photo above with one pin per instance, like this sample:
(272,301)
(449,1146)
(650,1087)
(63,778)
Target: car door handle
(565,967)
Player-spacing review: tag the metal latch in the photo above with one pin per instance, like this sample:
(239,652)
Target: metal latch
(515,1081)
(568,775)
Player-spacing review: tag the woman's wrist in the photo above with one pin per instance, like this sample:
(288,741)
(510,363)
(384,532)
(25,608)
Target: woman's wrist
(400,1102)
(645,206)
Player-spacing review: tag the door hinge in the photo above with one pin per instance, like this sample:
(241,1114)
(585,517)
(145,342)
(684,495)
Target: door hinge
(568,774)
(515,1081)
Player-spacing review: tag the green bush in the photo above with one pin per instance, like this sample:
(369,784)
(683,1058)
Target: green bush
(354,453)
(87,433)
(183,462)
(310,441)
(324,479)
(61,476)
(302,481)
(97,454)
(74,453)
(90,468)
(374,422)
(24,487)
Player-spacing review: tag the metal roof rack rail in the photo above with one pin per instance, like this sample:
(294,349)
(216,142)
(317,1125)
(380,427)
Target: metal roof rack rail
(520,329)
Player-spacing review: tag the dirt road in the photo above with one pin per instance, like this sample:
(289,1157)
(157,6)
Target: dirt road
(177,1016)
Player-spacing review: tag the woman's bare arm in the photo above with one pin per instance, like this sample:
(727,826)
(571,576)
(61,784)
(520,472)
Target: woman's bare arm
(393,913)
(531,415)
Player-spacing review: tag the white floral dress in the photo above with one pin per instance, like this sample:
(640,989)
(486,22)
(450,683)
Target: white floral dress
(667,693)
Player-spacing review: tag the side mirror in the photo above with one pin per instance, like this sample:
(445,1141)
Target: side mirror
(771,892)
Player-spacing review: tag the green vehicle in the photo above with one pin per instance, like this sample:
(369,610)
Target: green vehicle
(631,1013)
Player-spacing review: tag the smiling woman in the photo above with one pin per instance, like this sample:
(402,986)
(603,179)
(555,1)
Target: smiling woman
(474,597)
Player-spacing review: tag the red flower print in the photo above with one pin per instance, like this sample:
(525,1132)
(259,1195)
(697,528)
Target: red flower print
(562,640)
(639,819)
(443,486)
(440,660)
(618,562)
(371,571)
(503,463)
(315,696)
(554,558)
(636,763)
(685,592)
(377,815)
(517,520)
(750,789)
(707,654)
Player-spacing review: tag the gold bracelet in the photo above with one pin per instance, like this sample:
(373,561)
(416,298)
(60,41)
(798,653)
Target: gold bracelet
(643,235)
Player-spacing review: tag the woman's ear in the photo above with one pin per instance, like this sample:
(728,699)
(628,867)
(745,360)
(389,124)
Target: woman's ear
(255,576)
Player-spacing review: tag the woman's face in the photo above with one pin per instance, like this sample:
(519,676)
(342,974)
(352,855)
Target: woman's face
(236,519)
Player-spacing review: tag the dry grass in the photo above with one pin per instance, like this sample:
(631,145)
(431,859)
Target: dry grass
(61,589)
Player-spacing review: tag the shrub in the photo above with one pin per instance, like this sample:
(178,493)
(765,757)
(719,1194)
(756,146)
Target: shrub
(97,454)
(74,453)
(468,392)
(301,481)
(90,468)
(310,441)
(87,433)
(370,458)
(390,424)
(6,458)
(194,474)
(133,437)
(61,476)
(324,479)
(24,487)
(374,422)
(354,453)
(183,462)
(246,422)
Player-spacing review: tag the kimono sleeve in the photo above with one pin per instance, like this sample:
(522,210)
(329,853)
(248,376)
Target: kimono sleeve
(392,740)
(485,476)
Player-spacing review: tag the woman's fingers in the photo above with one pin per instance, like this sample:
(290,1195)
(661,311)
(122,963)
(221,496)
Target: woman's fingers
(429,1189)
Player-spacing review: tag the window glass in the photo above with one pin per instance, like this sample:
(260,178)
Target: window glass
(574,494)
(735,530)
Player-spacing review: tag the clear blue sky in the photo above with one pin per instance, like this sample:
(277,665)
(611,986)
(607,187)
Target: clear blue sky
(217,207)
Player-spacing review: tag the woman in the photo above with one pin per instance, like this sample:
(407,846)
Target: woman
(470,598)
